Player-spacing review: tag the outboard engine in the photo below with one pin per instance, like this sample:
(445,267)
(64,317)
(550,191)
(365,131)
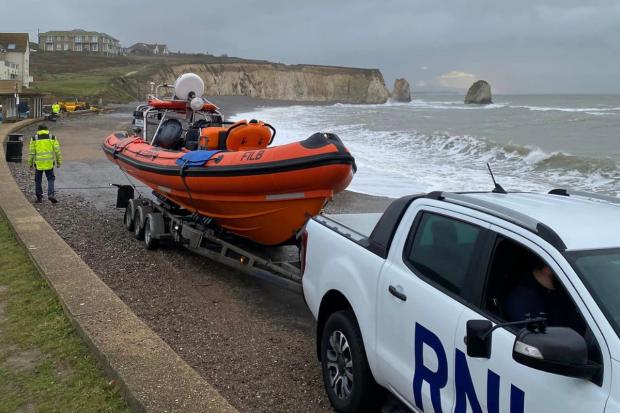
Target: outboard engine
(169,134)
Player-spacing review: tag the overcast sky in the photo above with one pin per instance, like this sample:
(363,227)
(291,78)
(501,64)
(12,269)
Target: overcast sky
(526,46)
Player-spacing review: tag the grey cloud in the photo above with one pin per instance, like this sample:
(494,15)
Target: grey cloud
(543,46)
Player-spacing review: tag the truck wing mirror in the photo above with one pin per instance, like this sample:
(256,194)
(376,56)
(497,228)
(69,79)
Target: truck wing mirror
(479,338)
(557,350)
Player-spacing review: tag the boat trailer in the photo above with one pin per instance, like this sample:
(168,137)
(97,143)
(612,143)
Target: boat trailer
(154,221)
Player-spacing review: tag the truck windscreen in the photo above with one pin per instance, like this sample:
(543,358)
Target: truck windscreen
(600,272)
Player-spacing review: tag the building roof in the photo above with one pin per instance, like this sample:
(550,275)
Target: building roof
(145,47)
(581,221)
(14,42)
(76,32)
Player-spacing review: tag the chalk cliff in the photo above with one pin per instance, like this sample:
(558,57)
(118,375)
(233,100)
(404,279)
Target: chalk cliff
(284,82)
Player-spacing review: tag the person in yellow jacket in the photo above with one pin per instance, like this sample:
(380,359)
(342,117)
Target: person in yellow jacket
(44,154)
(56,108)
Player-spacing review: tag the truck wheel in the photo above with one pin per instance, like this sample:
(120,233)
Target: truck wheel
(150,243)
(128,218)
(346,374)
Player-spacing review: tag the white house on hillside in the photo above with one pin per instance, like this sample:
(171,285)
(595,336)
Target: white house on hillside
(146,48)
(15,58)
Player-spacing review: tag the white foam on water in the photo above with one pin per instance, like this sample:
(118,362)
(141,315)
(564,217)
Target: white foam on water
(395,163)
(590,111)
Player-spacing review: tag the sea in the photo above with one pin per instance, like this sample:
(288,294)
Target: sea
(436,142)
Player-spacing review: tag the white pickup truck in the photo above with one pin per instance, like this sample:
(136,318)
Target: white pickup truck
(420,300)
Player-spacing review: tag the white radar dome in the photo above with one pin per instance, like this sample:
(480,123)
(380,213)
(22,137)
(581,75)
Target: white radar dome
(197,103)
(187,85)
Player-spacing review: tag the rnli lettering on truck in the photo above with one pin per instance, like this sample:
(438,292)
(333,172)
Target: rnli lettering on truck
(465,391)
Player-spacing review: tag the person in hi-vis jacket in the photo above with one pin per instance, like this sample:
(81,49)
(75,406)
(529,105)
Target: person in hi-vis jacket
(44,154)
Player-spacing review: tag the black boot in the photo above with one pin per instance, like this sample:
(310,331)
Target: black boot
(52,199)
(39,199)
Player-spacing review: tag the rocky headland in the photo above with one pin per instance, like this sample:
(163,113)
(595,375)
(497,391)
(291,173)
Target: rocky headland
(306,83)
(119,79)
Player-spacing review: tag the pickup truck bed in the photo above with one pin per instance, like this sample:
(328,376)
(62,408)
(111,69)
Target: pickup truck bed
(358,226)
(373,231)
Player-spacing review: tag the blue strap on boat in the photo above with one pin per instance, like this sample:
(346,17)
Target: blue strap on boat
(195,158)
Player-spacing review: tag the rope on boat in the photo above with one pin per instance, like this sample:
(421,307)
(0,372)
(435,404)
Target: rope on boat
(182,173)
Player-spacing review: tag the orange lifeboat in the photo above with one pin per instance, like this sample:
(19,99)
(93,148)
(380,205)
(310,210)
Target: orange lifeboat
(262,193)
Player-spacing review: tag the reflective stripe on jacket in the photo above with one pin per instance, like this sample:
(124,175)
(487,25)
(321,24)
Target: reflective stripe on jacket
(44,151)
(55,108)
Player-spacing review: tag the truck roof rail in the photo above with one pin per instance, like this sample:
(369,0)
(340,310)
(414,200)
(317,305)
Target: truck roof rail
(584,194)
(507,214)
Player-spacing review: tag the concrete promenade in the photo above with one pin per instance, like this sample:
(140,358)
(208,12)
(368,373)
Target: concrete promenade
(151,375)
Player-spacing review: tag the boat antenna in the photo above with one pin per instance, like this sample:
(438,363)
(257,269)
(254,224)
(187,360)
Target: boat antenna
(498,188)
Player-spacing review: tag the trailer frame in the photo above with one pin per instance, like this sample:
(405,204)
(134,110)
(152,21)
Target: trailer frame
(158,220)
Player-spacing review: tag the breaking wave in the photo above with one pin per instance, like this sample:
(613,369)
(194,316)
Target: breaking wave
(590,111)
(395,162)
(423,104)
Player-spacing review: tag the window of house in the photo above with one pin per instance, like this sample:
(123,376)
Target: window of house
(50,39)
(442,250)
(11,46)
(58,46)
(78,39)
(66,46)
(94,47)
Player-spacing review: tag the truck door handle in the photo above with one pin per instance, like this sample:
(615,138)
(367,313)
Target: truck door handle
(394,291)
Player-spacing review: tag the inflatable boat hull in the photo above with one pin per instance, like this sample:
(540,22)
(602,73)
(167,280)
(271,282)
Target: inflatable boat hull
(265,195)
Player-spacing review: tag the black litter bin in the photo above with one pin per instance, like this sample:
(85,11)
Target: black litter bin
(14,147)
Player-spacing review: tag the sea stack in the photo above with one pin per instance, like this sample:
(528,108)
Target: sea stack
(401,91)
(479,93)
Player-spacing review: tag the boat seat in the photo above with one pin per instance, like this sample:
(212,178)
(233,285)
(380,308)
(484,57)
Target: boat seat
(192,136)
(169,134)
(213,137)
(191,139)
(244,135)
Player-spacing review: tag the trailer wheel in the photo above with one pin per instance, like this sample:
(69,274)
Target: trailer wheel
(130,214)
(128,217)
(347,377)
(138,225)
(150,243)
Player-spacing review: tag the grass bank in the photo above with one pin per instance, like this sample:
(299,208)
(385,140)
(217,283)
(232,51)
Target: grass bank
(44,365)
(97,82)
